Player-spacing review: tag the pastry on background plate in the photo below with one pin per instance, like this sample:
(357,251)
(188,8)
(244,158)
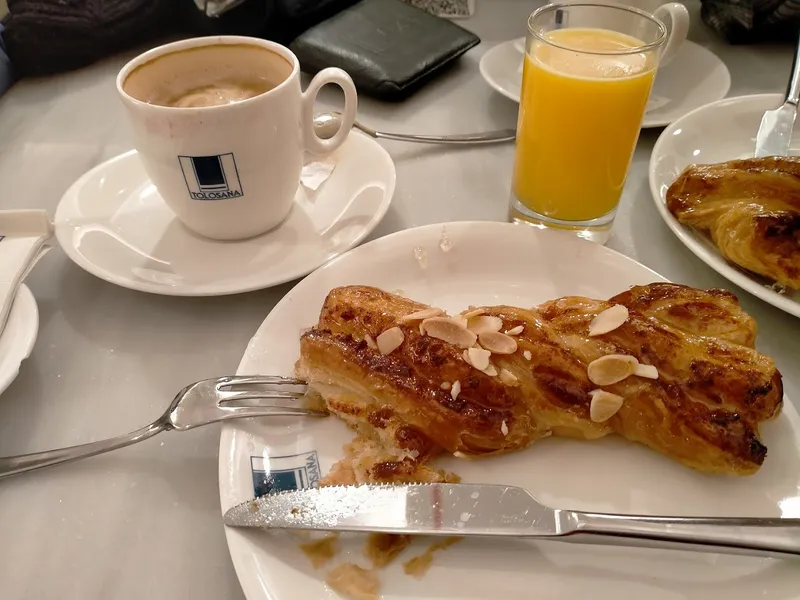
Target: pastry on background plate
(664,365)
(751,210)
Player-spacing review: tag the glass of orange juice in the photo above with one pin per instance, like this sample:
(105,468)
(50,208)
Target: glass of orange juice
(587,74)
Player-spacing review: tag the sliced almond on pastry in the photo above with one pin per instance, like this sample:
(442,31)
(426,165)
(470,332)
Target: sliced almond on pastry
(445,329)
(646,371)
(478,358)
(421,315)
(611,368)
(370,342)
(604,405)
(515,330)
(498,343)
(474,312)
(484,323)
(455,390)
(390,340)
(491,371)
(608,320)
(507,377)
(527,354)
(459,320)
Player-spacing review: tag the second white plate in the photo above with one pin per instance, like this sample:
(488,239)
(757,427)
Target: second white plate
(695,77)
(498,263)
(719,132)
(19,335)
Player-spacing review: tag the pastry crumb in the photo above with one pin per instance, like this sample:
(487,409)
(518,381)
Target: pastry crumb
(422,256)
(321,552)
(383,548)
(419,565)
(445,244)
(354,582)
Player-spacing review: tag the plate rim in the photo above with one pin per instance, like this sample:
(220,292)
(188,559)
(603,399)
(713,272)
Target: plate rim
(482,68)
(28,302)
(646,123)
(715,261)
(227,430)
(63,233)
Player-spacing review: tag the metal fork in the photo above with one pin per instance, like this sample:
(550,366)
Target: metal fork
(199,404)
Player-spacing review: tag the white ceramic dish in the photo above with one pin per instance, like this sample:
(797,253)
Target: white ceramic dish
(695,77)
(715,133)
(113,223)
(19,336)
(502,263)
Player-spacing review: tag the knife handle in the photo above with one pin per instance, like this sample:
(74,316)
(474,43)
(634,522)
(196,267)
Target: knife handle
(793,91)
(765,537)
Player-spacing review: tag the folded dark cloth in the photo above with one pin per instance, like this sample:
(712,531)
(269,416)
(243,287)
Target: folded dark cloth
(49,36)
(750,21)
(6,74)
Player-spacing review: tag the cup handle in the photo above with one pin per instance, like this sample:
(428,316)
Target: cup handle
(313,143)
(679,27)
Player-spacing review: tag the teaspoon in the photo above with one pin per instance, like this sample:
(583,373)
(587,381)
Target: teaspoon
(327,124)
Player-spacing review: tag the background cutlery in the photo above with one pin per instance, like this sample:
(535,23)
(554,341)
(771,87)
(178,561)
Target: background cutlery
(327,124)
(775,133)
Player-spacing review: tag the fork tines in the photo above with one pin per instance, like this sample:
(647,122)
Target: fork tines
(237,390)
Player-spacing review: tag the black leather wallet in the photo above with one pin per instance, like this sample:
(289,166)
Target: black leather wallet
(388,47)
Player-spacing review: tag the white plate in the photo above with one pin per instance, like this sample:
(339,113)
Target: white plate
(695,77)
(19,336)
(715,133)
(113,223)
(503,263)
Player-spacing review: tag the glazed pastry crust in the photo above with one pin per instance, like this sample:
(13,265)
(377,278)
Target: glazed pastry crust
(704,410)
(750,208)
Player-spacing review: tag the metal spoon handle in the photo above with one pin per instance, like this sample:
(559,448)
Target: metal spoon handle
(490,137)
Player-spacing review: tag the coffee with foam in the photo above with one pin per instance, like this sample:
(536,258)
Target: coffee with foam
(208,76)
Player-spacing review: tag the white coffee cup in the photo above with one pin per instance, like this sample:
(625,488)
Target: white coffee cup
(678,23)
(673,14)
(228,171)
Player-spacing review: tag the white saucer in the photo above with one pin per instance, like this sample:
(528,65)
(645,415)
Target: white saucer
(721,131)
(113,223)
(19,336)
(695,77)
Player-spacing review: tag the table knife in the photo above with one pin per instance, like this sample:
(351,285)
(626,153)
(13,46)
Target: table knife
(775,134)
(504,511)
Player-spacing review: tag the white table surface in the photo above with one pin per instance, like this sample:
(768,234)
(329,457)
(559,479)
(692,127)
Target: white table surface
(144,522)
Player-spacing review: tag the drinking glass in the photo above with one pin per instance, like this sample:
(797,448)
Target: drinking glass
(587,74)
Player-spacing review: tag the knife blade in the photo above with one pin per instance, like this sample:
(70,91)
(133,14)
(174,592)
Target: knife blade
(775,133)
(504,511)
(429,509)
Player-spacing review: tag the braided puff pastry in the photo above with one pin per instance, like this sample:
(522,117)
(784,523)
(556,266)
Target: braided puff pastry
(424,397)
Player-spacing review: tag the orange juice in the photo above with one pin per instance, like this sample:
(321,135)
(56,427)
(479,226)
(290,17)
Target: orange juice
(580,113)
